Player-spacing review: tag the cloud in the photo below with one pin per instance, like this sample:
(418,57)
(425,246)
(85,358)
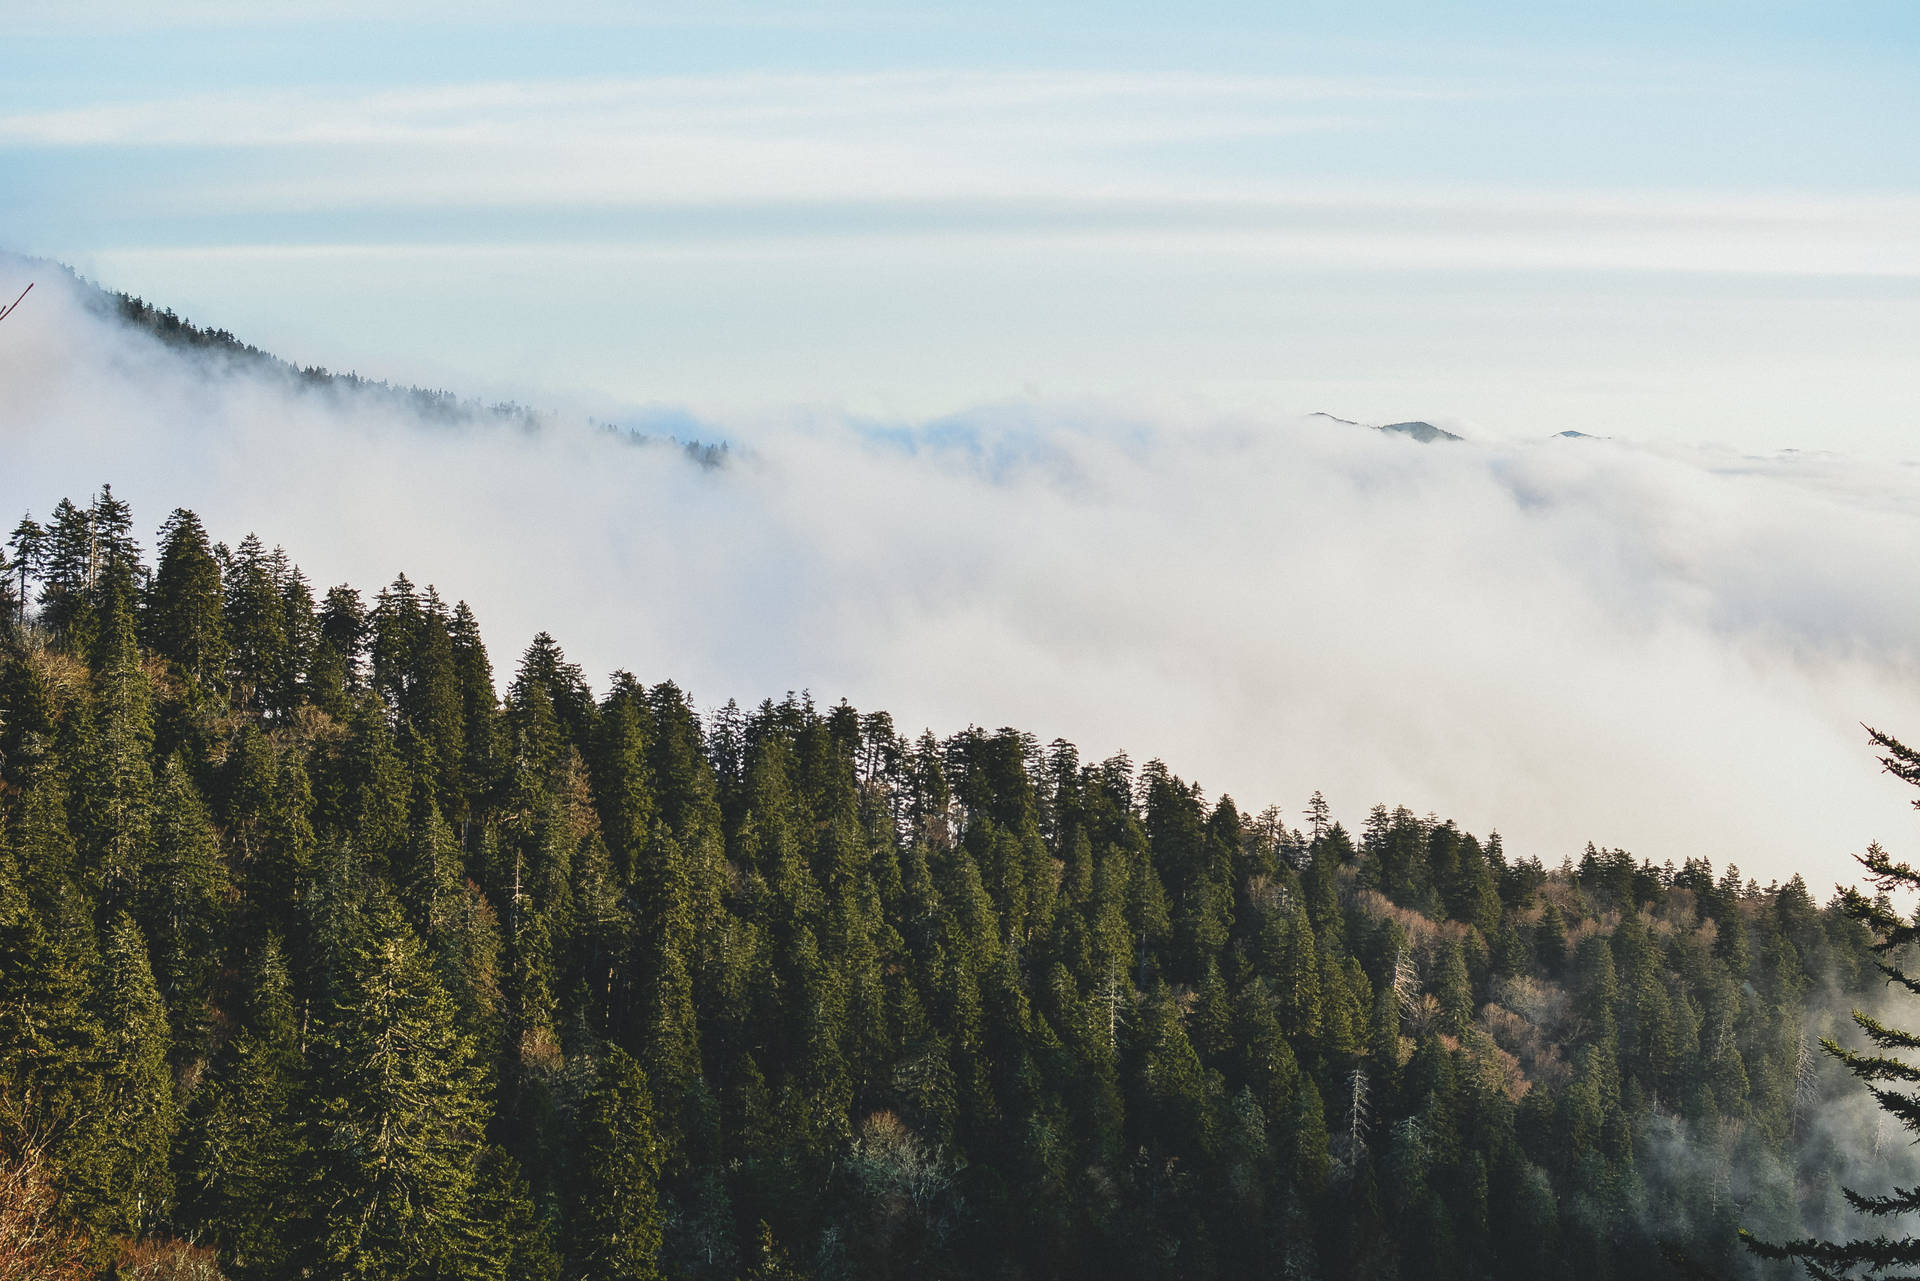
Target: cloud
(1664,649)
(1170,163)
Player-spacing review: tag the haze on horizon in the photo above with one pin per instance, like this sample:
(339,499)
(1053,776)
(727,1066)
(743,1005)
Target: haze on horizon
(1681,225)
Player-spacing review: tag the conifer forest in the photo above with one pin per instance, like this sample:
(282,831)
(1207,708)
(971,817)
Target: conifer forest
(322,955)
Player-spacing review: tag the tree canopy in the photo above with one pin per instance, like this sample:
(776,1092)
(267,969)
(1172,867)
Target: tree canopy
(326,952)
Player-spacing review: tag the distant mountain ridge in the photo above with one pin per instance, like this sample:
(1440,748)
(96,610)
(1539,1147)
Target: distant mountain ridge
(429,404)
(1424,432)
(177,331)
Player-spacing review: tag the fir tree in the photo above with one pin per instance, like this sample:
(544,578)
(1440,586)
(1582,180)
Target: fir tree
(398,1131)
(245,1140)
(133,1186)
(613,1221)
(184,621)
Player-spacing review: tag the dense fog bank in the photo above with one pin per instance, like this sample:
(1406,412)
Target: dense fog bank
(1566,639)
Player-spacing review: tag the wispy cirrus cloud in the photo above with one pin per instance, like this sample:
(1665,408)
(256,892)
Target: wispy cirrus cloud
(1117,161)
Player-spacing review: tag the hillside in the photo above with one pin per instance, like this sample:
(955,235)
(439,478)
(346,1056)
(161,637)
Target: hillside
(321,954)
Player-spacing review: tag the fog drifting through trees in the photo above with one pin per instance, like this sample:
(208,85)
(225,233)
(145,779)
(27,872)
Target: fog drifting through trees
(1569,639)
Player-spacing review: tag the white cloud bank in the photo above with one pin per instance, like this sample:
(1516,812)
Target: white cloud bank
(1566,639)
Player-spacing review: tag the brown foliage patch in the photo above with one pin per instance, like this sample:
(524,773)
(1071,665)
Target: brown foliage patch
(36,1243)
(166,1260)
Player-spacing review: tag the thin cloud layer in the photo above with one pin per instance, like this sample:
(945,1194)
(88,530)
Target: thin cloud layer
(1123,162)
(1568,640)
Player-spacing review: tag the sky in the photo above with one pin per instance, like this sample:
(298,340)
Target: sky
(1017,318)
(1686,223)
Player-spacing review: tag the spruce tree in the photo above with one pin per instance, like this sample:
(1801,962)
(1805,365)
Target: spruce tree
(133,1187)
(613,1216)
(184,622)
(246,1140)
(114,797)
(398,1132)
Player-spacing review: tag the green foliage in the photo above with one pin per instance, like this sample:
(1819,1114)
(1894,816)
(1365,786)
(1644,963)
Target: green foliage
(1881,1065)
(399,1112)
(245,1141)
(315,950)
(613,1220)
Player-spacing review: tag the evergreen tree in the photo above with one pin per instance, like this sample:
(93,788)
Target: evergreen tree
(184,620)
(183,889)
(133,1186)
(245,1141)
(509,1241)
(29,542)
(397,1136)
(67,563)
(334,676)
(1878,1067)
(613,1219)
(52,1042)
(256,625)
(1454,989)
(114,799)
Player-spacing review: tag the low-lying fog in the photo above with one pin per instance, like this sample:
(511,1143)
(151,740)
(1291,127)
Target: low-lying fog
(1564,639)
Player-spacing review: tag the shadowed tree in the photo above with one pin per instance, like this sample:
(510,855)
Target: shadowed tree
(614,1212)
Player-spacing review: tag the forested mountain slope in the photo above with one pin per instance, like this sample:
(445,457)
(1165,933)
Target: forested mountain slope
(427,403)
(319,954)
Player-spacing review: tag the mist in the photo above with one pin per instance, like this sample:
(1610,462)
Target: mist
(1568,640)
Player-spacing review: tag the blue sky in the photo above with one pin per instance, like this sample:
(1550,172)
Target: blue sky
(1684,222)
(1112,256)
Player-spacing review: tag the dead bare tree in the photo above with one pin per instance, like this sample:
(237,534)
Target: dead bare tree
(35,1244)
(8,310)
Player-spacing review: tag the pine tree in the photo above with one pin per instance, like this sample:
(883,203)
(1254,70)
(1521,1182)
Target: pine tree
(613,1217)
(1454,989)
(52,1043)
(622,774)
(480,762)
(398,1131)
(1290,960)
(133,1187)
(245,1141)
(184,622)
(12,600)
(114,799)
(183,890)
(256,625)
(1170,1085)
(334,676)
(29,543)
(67,563)
(509,1241)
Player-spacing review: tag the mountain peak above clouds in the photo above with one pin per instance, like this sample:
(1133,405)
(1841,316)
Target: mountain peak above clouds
(1424,432)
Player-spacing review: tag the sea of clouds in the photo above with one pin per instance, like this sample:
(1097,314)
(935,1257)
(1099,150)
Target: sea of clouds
(1670,650)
